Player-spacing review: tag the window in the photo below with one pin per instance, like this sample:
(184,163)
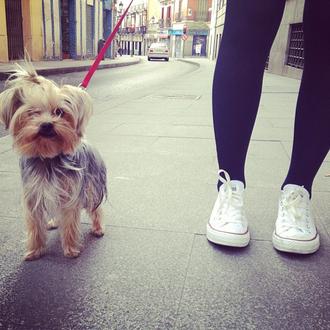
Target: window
(296,46)
(267,63)
(218,4)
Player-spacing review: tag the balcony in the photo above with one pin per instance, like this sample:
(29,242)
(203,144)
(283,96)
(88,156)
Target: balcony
(128,29)
(141,29)
(131,30)
(165,23)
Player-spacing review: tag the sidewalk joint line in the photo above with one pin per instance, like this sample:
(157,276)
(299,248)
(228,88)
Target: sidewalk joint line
(166,136)
(84,222)
(184,282)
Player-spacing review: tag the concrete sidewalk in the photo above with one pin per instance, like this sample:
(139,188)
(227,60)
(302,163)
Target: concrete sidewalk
(57,67)
(154,268)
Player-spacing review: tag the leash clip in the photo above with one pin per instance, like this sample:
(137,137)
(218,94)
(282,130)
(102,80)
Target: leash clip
(82,87)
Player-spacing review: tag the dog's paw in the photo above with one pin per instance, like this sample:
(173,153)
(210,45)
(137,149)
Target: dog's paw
(97,232)
(52,224)
(33,255)
(71,253)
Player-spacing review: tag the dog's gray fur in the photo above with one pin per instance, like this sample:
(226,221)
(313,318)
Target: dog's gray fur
(44,181)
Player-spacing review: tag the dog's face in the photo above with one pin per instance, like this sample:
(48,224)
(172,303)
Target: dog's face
(44,119)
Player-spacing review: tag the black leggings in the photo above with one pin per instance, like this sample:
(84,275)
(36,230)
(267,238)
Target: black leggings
(249,31)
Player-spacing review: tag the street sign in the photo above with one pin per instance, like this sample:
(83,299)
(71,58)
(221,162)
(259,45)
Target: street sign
(175,32)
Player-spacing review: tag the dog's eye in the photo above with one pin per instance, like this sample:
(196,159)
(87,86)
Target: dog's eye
(58,112)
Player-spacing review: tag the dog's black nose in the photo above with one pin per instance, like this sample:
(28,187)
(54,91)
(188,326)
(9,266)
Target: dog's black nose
(47,130)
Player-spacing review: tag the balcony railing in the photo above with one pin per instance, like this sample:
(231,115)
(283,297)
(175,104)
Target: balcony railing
(131,29)
(164,23)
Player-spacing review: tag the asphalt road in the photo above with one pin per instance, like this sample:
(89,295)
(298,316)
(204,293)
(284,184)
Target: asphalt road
(125,83)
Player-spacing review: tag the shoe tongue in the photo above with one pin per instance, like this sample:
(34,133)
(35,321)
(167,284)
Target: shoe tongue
(291,187)
(236,185)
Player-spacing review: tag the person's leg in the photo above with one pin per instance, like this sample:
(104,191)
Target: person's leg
(312,122)
(250,28)
(295,230)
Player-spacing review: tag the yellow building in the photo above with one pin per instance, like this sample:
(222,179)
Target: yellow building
(17,34)
(153,19)
(53,29)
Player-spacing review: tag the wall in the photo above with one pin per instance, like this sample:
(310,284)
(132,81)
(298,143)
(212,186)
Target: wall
(293,13)
(219,25)
(52,28)
(3,33)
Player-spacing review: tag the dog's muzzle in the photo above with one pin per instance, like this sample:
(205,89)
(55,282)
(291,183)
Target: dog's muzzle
(47,130)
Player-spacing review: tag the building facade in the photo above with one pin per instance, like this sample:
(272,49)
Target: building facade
(286,56)
(217,24)
(193,17)
(53,29)
(183,25)
(154,10)
(17,34)
(287,53)
(132,34)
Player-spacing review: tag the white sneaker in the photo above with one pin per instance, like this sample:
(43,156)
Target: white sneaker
(295,230)
(228,224)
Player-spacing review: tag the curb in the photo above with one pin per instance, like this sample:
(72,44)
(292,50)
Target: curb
(189,61)
(61,70)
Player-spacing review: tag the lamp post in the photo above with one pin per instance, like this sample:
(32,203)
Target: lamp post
(119,13)
(132,30)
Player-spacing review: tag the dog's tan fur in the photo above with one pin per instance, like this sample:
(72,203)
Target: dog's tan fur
(29,101)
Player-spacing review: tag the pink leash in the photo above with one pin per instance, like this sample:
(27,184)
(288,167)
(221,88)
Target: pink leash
(99,57)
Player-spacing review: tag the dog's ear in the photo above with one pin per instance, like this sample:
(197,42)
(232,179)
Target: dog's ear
(12,97)
(9,103)
(81,104)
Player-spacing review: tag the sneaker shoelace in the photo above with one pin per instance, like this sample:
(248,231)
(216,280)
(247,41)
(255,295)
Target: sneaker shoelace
(295,208)
(231,202)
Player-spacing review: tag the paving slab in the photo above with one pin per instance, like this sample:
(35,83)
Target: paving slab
(164,130)
(321,209)
(254,288)
(5,143)
(288,148)
(280,105)
(170,205)
(9,161)
(129,279)
(10,194)
(267,150)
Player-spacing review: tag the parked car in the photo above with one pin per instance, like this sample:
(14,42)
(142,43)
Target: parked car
(159,51)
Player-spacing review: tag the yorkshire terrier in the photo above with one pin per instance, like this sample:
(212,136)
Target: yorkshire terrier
(61,173)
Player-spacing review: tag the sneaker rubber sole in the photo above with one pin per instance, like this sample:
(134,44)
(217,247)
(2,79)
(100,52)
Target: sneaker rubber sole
(295,246)
(227,239)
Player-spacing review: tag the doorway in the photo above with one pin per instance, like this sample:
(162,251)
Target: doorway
(14,29)
(65,26)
